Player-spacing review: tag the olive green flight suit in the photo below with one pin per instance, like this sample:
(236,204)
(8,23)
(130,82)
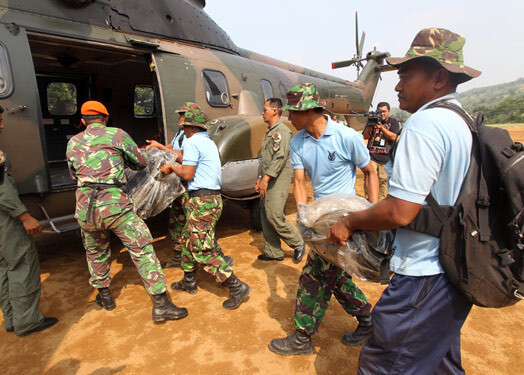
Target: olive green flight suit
(20,286)
(275,163)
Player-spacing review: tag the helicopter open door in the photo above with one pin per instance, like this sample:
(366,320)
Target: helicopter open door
(21,138)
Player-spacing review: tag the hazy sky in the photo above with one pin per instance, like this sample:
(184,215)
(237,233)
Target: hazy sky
(314,33)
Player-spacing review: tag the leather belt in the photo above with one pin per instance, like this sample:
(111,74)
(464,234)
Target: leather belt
(203,192)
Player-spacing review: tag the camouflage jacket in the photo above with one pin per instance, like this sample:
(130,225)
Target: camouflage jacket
(10,203)
(99,155)
(275,149)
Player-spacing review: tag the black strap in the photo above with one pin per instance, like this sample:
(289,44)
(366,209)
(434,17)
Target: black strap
(95,186)
(483,201)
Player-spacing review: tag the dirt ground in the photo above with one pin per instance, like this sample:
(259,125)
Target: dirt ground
(211,340)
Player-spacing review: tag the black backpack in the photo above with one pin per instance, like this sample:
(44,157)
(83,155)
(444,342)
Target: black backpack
(481,236)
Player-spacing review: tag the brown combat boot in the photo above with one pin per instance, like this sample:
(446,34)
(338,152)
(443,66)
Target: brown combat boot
(361,334)
(187,284)
(105,299)
(164,309)
(237,291)
(298,343)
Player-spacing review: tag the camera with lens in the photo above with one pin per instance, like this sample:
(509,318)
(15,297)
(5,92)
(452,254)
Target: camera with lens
(374,117)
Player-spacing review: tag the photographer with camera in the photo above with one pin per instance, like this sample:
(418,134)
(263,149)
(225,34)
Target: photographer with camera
(381,132)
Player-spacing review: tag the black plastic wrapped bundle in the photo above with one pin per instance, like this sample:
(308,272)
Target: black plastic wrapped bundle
(152,191)
(362,255)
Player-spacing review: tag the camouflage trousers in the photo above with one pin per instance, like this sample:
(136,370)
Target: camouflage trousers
(135,236)
(202,216)
(177,221)
(318,281)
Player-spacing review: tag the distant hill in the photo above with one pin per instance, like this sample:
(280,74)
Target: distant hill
(502,103)
(490,96)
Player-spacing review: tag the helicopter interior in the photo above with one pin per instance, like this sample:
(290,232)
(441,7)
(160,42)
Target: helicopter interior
(69,73)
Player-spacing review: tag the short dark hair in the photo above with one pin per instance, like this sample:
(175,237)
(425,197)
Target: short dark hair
(384,104)
(275,103)
(89,119)
(318,110)
(1,109)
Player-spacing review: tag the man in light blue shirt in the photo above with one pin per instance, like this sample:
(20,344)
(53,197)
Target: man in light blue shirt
(201,168)
(329,153)
(417,321)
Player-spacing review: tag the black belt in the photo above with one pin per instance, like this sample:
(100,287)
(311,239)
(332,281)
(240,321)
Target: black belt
(97,186)
(203,192)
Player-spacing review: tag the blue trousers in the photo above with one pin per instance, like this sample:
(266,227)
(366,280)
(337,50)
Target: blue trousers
(416,328)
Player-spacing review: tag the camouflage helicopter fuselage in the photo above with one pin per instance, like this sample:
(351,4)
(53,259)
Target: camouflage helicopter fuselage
(54,54)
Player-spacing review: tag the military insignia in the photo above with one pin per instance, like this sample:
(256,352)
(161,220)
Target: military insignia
(277,138)
(331,156)
(2,157)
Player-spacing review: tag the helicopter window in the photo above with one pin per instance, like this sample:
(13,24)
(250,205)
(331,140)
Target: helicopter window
(267,89)
(6,78)
(217,92)
(61,99)
(144,105)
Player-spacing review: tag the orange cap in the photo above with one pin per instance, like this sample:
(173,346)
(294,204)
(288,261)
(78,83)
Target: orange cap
(93,107)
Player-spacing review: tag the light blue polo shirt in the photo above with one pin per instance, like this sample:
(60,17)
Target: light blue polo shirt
(175,140)
(433,154)
(332,159)
(201,151)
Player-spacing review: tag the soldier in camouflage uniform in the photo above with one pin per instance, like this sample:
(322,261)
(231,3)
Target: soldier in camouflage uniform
(20,286)
(96,158)
(329,153)
(202,169)
(273,185)
(177,214)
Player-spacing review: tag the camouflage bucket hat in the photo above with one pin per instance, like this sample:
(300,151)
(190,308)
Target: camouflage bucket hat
(302,97)
(442,45)
(187,106)
(195,117)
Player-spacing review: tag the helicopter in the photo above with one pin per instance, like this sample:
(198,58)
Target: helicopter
(143,60)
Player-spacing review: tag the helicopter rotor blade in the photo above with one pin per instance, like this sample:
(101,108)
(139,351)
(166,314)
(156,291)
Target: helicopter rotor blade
(343,64)
(361,46)
(357,45)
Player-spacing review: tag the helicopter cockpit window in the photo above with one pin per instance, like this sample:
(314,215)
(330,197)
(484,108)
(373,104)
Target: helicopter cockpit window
(217,92)
(144,105)
(6,78)
(61,98)
(267,89)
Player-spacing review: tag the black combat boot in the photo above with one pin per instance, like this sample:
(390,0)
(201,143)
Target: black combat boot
(175,262)
(298,253)
(237,291)
(187,284)
(361,334)
(105,299)
(164,309)
(299,343)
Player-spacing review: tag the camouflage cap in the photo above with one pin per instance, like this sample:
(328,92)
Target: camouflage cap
(195,117)
(442,45)
(187,106)
(302,97)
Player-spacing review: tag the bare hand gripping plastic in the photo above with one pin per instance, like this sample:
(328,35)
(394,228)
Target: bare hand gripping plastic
(152,191)
(363,254)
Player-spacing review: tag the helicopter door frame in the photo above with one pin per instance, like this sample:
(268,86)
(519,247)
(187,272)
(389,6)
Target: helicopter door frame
(23,133)
(174,87)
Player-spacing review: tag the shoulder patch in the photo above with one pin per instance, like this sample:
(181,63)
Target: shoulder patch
(277,137)
(2,157)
